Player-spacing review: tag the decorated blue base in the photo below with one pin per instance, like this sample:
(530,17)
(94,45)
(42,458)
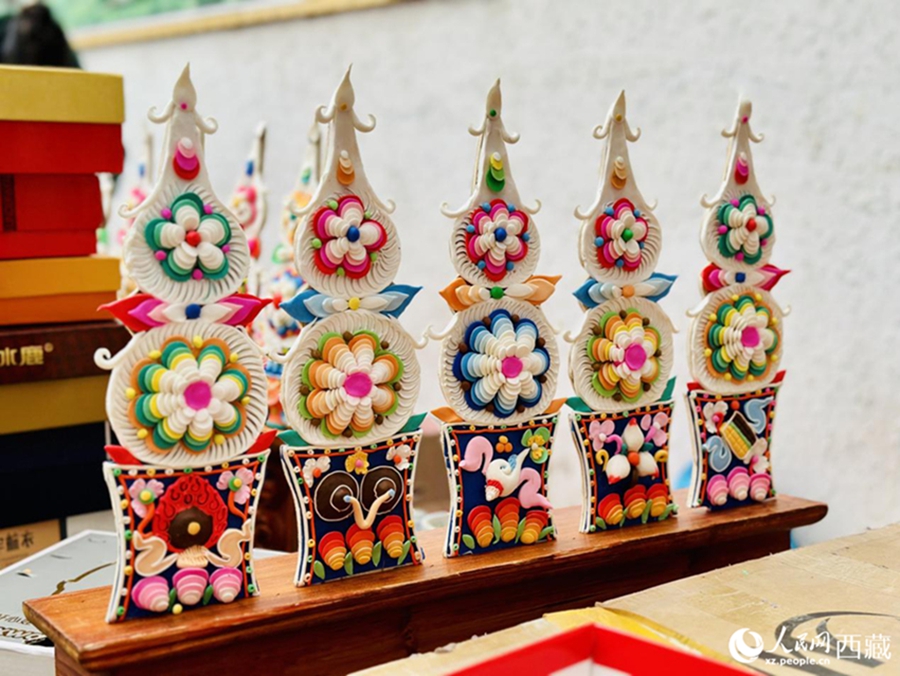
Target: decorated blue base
(185,535)
(498,485)
(353,505)
(624,464)
(732,437)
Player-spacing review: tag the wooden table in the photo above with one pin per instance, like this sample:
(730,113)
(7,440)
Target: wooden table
(348,625)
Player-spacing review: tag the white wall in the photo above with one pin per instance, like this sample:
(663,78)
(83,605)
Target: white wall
(822,76)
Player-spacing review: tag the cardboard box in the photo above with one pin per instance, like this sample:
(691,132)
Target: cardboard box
(831,608)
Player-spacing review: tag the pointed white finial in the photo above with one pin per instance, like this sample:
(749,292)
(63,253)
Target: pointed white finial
(342,103)
(616,115)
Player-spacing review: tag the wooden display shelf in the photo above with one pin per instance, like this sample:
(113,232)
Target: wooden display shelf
(359,622)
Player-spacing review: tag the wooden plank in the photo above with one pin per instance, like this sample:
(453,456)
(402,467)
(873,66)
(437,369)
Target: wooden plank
(359,622)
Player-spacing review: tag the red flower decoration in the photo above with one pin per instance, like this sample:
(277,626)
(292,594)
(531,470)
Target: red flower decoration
(621,231)
(347,238)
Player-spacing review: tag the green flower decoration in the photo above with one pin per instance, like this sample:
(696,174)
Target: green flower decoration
(537,441)
(741,338)
(744,230)
(189,240)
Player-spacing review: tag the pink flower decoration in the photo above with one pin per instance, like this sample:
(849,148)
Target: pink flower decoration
(347,239)
(239,483)
(600,433)
(620,234)
(655,428)
(496,238)
(141,499)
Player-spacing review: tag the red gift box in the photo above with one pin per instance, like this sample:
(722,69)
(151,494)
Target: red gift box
(60,148)
(45,202)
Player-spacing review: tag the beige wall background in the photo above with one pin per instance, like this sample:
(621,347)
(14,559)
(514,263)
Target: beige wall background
(822,78)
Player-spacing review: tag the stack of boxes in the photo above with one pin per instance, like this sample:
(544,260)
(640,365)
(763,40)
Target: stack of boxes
(58,129)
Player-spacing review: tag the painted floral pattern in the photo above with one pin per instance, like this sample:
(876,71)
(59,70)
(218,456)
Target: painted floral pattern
(240,483)
(621,231)
(188,392)
(314,468)
(400,454)
(741,338)
(497,238)
(501,364)
(189,240)
(143,494)
(347,239)
(744,228)
(350,384)
(624,351)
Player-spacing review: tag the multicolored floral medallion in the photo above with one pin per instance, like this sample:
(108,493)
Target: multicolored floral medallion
(497,238)
(738,337)
(188,393)
(624,462)
(500,367)
(355,506)
(623,355)
(351,376)
(621,231)
(745,229)
(732,436)
(498,476)
(348,385)
(190,240)
(347,239)
(186,535)
(347,248)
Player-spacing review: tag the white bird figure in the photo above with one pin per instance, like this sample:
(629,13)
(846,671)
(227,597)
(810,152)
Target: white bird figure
(503,477)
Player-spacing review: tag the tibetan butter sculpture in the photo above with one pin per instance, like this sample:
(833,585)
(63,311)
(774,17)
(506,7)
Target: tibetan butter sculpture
(736,338)
(249,203)
(621,359)
(351,379)
(275,329)
(187,395)
(499,361)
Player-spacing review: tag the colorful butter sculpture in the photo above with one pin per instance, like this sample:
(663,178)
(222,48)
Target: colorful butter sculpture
(187,395)
(499,361)
(275,329)
(621,359)
(137,193)
(250,204)
(735,340)
(351,380)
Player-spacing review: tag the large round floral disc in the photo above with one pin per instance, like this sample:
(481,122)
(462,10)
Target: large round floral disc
(739,233)
(186,247)
(347,248)
(621,244)
(499,363)
(623,356)
(352,379)
(188,394)
(736,340)
(495,244)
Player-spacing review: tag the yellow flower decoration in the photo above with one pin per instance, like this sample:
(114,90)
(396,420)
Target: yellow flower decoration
(357,462)
(537,442)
